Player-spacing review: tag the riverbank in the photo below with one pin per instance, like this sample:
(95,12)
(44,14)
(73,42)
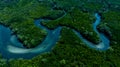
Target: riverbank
(70,50)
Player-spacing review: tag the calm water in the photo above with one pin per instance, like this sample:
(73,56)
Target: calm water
(10,47)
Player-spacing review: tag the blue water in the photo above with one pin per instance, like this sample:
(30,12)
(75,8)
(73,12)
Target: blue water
(104,44)
(10,47)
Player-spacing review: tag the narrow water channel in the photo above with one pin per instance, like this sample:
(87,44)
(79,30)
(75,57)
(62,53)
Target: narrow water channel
(10,47)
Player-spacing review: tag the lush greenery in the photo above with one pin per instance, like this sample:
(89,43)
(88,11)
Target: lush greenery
(78,20)
(111,22)
(20,19)
(69,51)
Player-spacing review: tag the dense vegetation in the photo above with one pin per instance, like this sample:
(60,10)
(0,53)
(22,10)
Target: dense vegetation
(78,20)
(69,51)
(20,19)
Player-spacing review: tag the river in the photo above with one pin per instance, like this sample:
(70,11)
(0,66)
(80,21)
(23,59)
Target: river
(10,47)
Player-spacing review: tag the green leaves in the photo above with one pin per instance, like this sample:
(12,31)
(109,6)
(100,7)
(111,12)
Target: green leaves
(78,20)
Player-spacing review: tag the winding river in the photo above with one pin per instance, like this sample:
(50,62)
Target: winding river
(10,47)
